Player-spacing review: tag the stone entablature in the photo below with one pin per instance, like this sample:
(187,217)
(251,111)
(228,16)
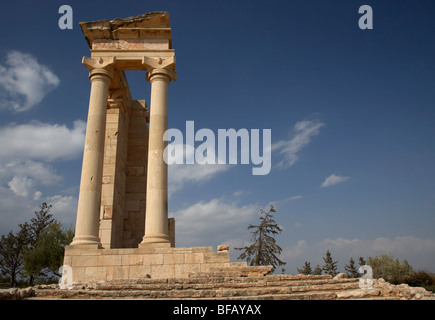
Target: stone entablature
(131,39)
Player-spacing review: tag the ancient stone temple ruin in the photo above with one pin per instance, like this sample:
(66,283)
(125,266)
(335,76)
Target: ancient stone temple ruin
(123,174)
(122,227)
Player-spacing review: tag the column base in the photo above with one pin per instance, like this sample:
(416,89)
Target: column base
(156,240)
(88,241)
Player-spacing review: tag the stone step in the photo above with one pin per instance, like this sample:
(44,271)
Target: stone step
(239,270)
(215,288)
(270,287)
(224,283)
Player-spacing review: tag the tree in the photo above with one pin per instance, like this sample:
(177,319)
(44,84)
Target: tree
(362,262)
(306,269)
(11,249)
(43,218)
(36,250)
(317,270)
(330,266)
(351,269)
(264,250)
(46,257)
(390,269)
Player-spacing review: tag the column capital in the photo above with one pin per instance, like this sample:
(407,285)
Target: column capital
(105,66)
(159,66)
(156,73)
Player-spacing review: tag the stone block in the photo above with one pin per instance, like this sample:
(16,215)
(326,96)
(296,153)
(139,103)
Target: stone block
(109,251)
(132,260)
(117,272)
(173,258)
(93,274)
(162,271)
(135,187)
(214,257)
(105,237)
(223,247)
(72,250)
(194,258)
(78,274)
(109,260)
(107,191)
(183,270)
(107,180)
(133,205)
(84,261)
(135,170)
(108,212)
(139,272)
(153,259)
(67,260)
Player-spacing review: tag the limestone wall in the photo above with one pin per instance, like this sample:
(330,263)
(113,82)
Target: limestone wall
(136,176)
(92,264)
(114,179)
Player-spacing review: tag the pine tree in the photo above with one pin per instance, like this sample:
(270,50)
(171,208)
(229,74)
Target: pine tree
(306,269)
(362,262)
(42,220)
(351,269)
(263,250)
(330,266)
(317,270)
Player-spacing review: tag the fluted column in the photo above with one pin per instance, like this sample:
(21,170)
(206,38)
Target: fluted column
(156,221)
(88,211)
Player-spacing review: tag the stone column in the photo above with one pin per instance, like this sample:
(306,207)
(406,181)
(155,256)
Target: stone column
(88,211)
(156,215)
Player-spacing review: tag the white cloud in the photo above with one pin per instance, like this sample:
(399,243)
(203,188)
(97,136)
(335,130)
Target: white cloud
(295,251)
(333,180)
(303,131)
(37,195)
(240,193)
(41,141)
(64,208)
(21,186)
(16,209)
(292,198)
(26,164)
(180,174)
(25,82)
(215,220)
(38,171)
(282,204)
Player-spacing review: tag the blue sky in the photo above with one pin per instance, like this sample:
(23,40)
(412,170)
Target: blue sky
(342,102)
